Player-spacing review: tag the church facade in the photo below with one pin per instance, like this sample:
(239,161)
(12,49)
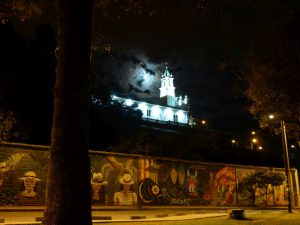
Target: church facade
(169,109)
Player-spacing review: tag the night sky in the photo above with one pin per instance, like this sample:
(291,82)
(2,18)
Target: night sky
(195,43)
(192,43)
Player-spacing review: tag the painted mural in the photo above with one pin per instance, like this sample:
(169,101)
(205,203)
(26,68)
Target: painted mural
(124,180)
(22,177)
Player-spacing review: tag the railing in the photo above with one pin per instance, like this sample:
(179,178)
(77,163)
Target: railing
(167,122)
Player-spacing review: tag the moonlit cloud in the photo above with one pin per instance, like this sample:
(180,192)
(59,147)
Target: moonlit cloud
(132,73)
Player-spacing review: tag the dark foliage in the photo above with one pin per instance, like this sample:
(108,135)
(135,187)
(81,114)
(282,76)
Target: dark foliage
(27,77)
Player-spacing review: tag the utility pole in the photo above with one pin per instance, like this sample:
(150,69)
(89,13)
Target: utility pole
(287,166)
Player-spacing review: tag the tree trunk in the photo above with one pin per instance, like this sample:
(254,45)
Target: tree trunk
(68,198)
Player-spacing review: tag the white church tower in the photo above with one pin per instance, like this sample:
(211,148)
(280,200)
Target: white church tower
(167,86)
(167,91)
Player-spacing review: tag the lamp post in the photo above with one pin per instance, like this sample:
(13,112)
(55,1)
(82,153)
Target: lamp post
(286,163)
(254,143)
(287,166)
(254,140)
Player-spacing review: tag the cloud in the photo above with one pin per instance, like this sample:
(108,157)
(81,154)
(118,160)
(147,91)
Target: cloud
(131,72)
(147,70)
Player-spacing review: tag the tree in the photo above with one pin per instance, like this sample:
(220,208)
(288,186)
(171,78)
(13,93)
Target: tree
(26,81)
(7,122)
(274,82)
(249,183)
(262,180)
(68,187)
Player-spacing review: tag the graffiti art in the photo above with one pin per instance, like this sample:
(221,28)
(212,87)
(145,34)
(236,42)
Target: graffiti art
(127,180)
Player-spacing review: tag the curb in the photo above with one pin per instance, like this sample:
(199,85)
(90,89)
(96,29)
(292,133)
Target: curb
(157,218)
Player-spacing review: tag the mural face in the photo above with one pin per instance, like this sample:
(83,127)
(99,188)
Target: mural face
(98,189)
(130,181)
(125,197)
(29,181)
(28,196)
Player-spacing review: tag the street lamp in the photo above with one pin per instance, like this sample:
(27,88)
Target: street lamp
(286,163)
(254,143)
(254,140)
(204,123)
(235,142)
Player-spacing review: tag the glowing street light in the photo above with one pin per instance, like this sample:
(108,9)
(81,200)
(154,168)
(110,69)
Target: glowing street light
(254,143)
(286,163)
(260,148)
(271,116)
(235,142)
(204,123)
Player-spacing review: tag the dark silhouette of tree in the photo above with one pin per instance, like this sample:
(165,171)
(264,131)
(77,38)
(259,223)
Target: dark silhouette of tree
(7,122)
(68,198)
(27,77)
(274,82)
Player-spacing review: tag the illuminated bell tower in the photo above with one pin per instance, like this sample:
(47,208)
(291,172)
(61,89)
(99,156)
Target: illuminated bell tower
(167,87)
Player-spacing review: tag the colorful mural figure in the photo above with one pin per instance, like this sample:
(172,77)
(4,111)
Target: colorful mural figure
(98,189)
(192,184)
(120,167)
(225,182)
(29,196)
(125,197)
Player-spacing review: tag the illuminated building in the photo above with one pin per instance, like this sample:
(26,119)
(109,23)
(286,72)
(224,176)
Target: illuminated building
(169,109)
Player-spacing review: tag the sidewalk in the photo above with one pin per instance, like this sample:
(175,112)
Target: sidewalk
(32,215)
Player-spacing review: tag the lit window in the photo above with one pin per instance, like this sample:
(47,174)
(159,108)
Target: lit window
(175,118)
(148,112)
